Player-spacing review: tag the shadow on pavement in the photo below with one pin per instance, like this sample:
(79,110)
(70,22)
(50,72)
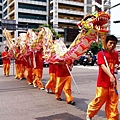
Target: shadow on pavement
(82,106)
(62,116)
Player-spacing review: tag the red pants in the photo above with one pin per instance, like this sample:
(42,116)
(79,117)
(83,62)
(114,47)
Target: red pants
(64,83)
(6,68)
(108,96)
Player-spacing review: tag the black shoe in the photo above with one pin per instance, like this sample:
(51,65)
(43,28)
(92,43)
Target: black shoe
(71,102)
(59,99)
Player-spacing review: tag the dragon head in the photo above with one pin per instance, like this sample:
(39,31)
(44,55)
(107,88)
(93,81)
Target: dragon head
(96,21)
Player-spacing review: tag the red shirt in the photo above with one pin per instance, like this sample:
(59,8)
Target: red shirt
(39,60)
(6,60)
(112,59)
(62,70)
(17,60)
(23,61)
(29,59)
(52,68)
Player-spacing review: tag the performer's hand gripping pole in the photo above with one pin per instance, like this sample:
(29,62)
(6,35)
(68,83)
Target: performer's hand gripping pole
(115,89)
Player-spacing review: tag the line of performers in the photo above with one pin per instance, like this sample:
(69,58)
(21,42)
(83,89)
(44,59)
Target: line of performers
(30,67)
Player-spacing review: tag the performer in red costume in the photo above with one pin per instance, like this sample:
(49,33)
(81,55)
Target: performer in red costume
(6,61)
(23,67)
(18,65)
(106,82)
(63,81)
(52,81)
(38,69)
(29,68)
(50,85)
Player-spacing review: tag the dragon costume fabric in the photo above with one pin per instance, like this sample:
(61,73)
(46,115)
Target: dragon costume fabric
(91,26)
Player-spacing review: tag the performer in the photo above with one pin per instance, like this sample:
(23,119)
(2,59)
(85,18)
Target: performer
(6,61)
(52,80)
(29,68)
(52,71)
(23,67)
(106,82)
(38,69)
(18,64)
(63,81)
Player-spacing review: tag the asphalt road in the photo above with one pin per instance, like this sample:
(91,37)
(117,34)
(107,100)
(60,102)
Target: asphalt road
(20,101)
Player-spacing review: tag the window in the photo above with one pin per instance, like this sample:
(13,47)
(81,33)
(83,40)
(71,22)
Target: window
(89,1)
(32,16)
(98,1)
(32,7)
(0,39)
(0,8)
(5,5)
(0,31)
(89,9)
(0,15)
(4,13)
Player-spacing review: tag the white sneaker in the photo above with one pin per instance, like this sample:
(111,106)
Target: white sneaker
(34,86)
(42,88)
(47,90)
(30,83)
(16,77)
(88,118)
(21,78)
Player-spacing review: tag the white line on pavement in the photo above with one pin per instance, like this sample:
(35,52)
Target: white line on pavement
(88,67)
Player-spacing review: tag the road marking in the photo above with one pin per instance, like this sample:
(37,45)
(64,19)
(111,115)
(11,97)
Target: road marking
(88,67)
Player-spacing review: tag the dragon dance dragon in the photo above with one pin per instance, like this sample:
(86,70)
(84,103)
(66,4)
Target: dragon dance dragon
(91,26)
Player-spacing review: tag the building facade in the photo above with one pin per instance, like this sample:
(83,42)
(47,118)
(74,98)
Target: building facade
(65,14)
(26,12)
(60,14)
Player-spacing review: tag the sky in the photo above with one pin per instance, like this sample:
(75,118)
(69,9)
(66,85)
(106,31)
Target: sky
(115,15)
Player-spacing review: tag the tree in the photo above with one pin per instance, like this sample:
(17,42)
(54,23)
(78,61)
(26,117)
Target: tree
(95,47)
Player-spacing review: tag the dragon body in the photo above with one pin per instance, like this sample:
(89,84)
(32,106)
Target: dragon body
(90,26)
